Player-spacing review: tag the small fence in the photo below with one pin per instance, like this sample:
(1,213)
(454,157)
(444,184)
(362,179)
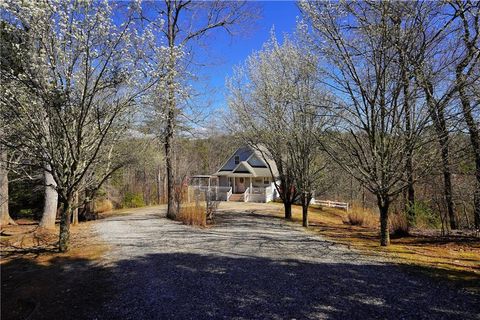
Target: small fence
(213,192)
(254,194)
(331,204)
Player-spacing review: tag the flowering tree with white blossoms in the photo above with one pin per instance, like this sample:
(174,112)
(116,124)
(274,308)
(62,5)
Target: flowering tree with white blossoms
(279,109)
(75,94)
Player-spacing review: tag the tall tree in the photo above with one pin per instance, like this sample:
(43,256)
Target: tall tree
(50,204)
(10,61)
(445,56)
(468,13)
(278,108)
(4,213)
(402,39)
(370,143)
(81,77)
(186,22)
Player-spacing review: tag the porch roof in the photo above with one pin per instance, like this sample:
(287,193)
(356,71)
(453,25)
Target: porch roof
(244,169)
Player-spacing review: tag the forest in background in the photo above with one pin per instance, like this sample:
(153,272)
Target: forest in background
(143,182)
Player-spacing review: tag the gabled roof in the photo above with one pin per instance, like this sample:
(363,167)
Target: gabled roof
(251,162)
(243,167)
(263,155)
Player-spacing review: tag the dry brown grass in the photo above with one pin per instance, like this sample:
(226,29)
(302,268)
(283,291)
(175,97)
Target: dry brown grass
(38,282)
(103,205)
(193,214)
(361,217)
(398,225)
(27,241)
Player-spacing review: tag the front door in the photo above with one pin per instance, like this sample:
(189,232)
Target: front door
(240,186)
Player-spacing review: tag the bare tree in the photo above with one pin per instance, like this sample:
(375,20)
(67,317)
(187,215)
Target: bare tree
(402,38)
(444,59)
(278,109)
(186,23)
(466,80)
(370,142)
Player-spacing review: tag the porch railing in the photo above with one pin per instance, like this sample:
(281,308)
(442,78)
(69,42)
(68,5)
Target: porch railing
(246,195)
(212,188)
(258,190)
(214,192)
(269,193)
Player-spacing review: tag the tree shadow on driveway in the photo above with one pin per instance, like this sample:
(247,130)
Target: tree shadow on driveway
(193,286)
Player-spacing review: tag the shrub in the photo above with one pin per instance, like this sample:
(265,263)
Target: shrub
(425,217)
(355,218)
(132,200)
(103,205)
(398,225)
(193,214)
(360,217)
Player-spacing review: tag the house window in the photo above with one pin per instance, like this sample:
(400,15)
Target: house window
(242,180)
(266,180)
(237,159)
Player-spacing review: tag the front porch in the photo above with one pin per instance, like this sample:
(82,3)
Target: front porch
(241,184)
(251,189)
(237,188)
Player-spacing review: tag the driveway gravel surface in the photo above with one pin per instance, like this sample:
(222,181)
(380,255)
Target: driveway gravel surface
(249,266)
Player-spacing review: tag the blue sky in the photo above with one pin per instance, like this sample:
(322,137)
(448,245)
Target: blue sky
(226,51)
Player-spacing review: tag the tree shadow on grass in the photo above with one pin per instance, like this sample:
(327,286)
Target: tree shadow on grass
(60,288)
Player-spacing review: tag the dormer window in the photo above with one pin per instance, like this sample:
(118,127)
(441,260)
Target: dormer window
(237,159)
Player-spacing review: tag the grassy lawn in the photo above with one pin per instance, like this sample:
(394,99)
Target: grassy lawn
(454,257)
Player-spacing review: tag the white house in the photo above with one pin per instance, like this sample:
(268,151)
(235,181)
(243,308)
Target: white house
(245,176)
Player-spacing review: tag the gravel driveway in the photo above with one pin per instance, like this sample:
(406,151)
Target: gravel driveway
(254,267)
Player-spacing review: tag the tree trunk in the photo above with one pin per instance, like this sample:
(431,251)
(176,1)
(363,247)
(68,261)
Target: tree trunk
(4,213)
(305,203)
(288,210)
(170,186)
(474,141)
(50,202)
(75,209)
(171,105)
(410,203)
(159,186)
(409,156)
(66,214)
(410,196)
(285,192)
(383,205)
(447,179)
(438,117)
